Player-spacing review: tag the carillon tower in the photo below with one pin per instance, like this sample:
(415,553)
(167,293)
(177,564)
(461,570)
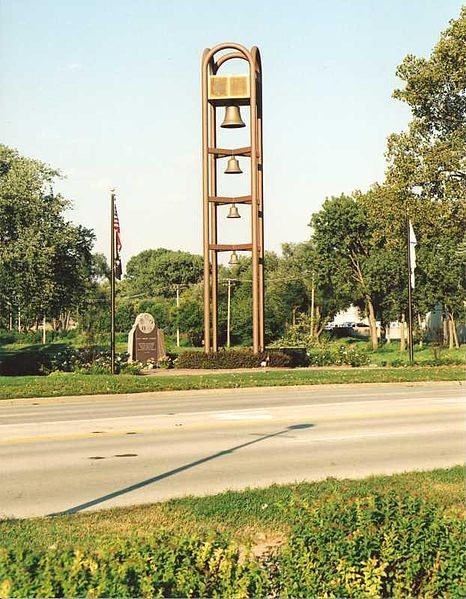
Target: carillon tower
(230,93)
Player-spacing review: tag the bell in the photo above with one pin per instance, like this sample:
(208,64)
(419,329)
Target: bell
(233,212)
(232,118)
(233,167)
(233,259)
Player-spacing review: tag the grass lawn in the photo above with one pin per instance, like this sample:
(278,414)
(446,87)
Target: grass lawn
(86,384)
(255,515)
(389,353)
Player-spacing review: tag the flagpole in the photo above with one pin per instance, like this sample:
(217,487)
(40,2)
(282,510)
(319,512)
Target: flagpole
(112,279)
(410,298)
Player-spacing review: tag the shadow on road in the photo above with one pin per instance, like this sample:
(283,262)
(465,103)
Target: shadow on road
(159,477)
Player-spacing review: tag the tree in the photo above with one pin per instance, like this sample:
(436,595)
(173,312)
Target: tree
(432,153)
(191,314)
(157,272)
(346,259)
(430,156)
(287,289)
(45,261)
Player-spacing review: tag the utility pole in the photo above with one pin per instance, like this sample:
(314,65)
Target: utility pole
(19,320)
(228,312)
(312,306)
(177,316)
(44,339)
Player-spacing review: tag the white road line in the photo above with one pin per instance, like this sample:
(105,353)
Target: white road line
(366,435)
(243,416)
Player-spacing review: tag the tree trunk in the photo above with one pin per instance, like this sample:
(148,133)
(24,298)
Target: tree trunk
(445,331)
(387,334)
(419,320)
(402,334)
(319,331)
(316,322)
(372,326)
(451,338)
(453,331)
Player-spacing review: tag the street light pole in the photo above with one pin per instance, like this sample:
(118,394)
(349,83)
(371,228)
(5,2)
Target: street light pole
(417,191)
(228,312)
(410,300)
(177,316)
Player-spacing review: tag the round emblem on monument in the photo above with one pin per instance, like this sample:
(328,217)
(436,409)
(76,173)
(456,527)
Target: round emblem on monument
(146,322)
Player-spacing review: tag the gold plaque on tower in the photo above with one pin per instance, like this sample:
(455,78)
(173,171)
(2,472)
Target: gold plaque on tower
(223,89)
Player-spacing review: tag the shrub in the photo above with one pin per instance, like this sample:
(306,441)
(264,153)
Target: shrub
(69,359)
(25,362)
(161,567)
(131,367)
(286,358)
(100,363)
(329,355)
(398,362)
(166,361)
(7,337)
(352,356)
(377,546)
(443,361)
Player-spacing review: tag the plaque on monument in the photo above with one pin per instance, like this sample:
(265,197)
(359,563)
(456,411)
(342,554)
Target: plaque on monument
(145,340)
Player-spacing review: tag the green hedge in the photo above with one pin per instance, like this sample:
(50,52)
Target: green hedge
(287,358)
(374,546)
(25,362)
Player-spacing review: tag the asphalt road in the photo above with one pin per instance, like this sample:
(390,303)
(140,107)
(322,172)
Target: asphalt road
(66,455)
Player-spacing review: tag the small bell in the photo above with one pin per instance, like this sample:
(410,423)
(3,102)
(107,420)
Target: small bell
(232,118)
(233,259)
(233,212)
(233,167)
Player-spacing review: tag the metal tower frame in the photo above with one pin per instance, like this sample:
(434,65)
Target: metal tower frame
(211,200)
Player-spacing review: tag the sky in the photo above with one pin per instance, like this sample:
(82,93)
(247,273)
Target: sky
(108,91)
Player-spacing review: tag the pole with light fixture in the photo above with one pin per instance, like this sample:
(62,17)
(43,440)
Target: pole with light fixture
(232,92)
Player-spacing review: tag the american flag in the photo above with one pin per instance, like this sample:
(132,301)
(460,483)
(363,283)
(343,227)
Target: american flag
(116,229)
(116,232)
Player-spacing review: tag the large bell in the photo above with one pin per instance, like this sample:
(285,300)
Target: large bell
(233,167)
(233,212)
(233,259)
(232,118)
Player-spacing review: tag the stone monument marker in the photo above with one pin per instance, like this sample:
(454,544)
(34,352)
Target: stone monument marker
(145,340)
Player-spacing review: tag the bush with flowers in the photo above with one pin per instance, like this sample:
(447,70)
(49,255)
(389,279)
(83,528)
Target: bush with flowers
(321,352)
(85,361)
(89,361)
